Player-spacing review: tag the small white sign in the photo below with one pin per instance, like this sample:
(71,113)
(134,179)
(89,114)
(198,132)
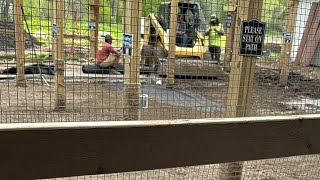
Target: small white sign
(54,31)
(287,38)
(144,101)
(127,44)
(92,25)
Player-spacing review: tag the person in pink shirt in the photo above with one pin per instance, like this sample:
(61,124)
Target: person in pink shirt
(108,56)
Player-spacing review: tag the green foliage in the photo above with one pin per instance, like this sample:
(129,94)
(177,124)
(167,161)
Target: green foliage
(36,25)
(111,13)
(6,7)
(213,7)
(151,6)
(38,57)
(273,33)
(36,10)
(42,31)
(73,57)
(9,56)
(274,14)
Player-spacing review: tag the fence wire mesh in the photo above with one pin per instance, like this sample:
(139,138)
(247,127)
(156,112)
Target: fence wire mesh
(56,55)
(296,167)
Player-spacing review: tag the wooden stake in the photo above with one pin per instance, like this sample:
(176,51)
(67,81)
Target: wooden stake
(172,42)
(306,33)
(285,55)
(96,15)
(58,11)
(133,12)
(313,38)
(53,15)
(232,9)
(241,81)
(20,43)
(242,69)
(94,19)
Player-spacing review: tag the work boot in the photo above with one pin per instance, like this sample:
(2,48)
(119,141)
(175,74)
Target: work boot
(115,72)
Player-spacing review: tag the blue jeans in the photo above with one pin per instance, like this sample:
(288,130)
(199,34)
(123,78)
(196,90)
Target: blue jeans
(182,40)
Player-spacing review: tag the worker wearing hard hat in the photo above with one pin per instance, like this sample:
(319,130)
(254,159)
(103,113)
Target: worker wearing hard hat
(215,31)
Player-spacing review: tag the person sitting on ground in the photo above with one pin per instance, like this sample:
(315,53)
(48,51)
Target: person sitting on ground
(181,31)
(108,56)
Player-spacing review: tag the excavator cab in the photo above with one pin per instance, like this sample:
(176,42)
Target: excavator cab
(192,15)
(157,32)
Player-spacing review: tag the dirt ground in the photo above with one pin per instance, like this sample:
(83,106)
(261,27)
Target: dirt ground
(102,100)
(291,168)
(92,99)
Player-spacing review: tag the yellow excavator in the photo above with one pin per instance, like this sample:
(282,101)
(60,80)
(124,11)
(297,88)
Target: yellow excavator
(156,33)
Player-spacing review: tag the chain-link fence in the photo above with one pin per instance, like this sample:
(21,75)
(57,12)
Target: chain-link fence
(91,60)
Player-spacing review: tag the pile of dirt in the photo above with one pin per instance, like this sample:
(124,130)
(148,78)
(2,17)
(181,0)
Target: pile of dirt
(268,94)
(272,47)
(198,68)
(304,85)
(297,83)
(7,37)
(264,76)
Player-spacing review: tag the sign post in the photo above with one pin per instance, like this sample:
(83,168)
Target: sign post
(20,46)
(252,35)
(58,42)
(242,70)
(131,51)
(93,27)
(286,50)
(172,43)
(231,21)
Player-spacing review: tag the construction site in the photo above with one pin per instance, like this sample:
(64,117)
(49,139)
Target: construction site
(176,109)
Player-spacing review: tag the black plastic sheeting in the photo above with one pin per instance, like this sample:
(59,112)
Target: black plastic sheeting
(144,69)
(31,69)
(96,69)
(90,68)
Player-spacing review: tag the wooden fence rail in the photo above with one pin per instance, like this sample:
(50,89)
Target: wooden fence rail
(47,150)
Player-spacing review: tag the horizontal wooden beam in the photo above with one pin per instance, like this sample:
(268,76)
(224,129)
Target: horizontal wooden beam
(47,150)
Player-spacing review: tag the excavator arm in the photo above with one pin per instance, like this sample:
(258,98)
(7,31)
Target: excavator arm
(158,32)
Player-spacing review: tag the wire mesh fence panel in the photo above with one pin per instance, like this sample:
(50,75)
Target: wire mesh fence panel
(289,168)
(91,60)
(206,51)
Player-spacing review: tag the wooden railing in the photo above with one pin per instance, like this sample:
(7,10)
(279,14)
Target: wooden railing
(47,150)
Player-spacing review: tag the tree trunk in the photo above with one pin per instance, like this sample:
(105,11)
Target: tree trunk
(5,16)
(114,10)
